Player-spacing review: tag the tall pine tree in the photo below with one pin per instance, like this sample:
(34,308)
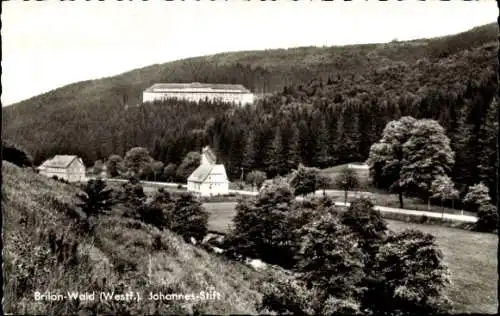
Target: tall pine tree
(248,161)
(465,160)
(293,151)
(487,142)
(321,158)
(275,160)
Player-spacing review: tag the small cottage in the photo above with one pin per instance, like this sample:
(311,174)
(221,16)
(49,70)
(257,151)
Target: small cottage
(209,178)
(67,167)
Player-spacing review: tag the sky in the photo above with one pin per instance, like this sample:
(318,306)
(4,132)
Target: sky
(49,44)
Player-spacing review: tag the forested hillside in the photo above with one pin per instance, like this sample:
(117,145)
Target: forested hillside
(328,106)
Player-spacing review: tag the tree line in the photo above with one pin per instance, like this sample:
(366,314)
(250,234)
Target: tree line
(329,120)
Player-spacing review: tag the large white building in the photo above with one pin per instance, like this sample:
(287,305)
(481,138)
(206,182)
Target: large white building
(209,178)
(67,167)
(231,93)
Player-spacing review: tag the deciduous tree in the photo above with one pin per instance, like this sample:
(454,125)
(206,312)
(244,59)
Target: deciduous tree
(347,180)
(114,166)
(256,178)
(409,276)
(304,180)
(188,165)
(169,171)
(98,167)
(136,159)
(427,155)
(477,195)
(330,260)
(386,156)
(443,188)
(260,226)
(157,167)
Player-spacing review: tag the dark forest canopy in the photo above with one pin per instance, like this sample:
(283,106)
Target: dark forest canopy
(328,106)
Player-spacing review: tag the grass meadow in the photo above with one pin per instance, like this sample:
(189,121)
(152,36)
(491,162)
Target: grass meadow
(380,197)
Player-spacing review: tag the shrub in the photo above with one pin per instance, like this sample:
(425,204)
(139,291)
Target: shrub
(63,246)
(182,214)
(366,223)
(423,219)
(153,214)
(408,276)
(330,261)
(287,296)
(188,218)
(132,196)
(304,180)
(260,226)
(96,198)
(16,155)
(157,243)
(291,296)
(65,208)
(487,218)
(256,178)
(477,196)
(347,180)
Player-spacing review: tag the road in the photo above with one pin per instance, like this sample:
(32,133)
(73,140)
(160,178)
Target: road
(227,207)
(150,186)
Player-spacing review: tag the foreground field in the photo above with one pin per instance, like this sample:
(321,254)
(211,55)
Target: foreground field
(470,256)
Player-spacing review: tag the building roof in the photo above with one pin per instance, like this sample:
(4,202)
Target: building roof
(203,171)
(59,161)
(197,87)
(209,154)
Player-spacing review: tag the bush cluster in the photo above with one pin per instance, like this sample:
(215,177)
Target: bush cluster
(345,261)
(181,213)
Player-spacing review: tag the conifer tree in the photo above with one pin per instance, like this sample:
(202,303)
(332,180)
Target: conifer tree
(275,159)
(249,152)
(463,170)
(321,158)
(487,142)
(293,152)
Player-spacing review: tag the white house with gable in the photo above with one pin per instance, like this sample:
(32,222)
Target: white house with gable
(67,167)
(209,178)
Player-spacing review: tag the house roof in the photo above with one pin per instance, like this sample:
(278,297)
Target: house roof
(211,157)
(203,171)
(197,87)
(218,169)
(59,161)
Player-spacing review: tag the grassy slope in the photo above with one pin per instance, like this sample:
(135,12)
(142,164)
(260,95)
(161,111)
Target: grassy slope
(470,256)
(29,198)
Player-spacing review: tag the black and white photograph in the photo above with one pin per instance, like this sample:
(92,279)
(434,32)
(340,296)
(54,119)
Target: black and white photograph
(250,157)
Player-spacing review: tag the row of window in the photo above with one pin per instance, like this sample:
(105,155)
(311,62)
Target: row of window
(197,186)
